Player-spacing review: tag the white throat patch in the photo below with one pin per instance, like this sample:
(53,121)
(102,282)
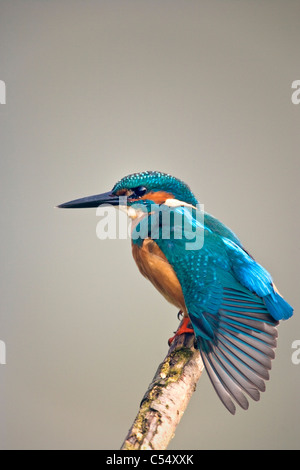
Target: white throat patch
(131,212)
(177,203)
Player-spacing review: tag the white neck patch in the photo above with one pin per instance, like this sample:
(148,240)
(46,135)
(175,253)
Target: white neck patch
(177,203)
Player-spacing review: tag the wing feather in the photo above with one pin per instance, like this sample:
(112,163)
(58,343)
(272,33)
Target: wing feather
(224,291)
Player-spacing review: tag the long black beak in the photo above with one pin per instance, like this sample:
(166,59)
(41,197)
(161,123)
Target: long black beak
(107,199)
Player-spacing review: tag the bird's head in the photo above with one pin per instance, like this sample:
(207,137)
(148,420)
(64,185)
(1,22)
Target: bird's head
(142,189)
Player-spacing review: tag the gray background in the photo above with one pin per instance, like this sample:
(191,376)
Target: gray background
(100,89)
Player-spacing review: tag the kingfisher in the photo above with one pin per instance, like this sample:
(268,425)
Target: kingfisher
(226,299)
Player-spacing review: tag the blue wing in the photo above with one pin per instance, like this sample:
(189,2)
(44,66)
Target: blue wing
(253,276)
(232,305)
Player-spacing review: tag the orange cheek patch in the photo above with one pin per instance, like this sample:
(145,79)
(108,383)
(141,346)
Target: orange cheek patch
(123,192)
(159,197)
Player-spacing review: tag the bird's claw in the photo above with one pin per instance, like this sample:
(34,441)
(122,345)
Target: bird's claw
(183,328)
(180,315)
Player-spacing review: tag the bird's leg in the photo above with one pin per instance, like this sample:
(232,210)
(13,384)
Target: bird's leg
(184,327)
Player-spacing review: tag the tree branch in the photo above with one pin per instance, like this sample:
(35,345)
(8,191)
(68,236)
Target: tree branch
(167,397)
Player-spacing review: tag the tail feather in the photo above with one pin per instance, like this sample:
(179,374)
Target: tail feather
(218,385)
(253,382)
(238,357)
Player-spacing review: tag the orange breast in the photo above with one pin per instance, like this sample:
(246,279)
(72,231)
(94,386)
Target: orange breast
(153,264)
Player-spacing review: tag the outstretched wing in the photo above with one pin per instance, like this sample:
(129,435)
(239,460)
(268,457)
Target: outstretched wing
(236,334)
(253,276)
(238,354)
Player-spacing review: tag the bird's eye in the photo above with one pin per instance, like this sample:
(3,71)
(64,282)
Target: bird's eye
(140,191)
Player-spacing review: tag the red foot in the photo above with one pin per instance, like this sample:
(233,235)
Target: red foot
(183,328)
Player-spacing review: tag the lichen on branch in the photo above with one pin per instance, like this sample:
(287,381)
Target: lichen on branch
(167,397)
